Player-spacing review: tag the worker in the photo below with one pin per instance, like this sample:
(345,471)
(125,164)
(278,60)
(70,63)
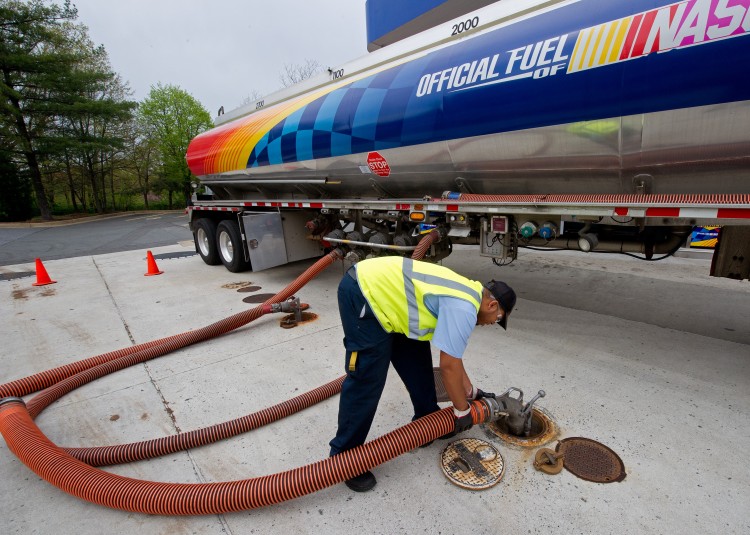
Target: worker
(391,308)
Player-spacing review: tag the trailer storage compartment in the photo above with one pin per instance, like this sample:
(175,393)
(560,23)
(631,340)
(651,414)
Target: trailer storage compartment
(274,239)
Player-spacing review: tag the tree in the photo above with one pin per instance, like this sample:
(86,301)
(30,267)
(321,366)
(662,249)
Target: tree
(30,71)
(15,200)
(93,133)
(142,158)
(295,73)
(53,86)
(172,118)
(251,97)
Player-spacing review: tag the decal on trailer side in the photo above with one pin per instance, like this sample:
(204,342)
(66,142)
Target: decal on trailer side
(675,26)
(589,60)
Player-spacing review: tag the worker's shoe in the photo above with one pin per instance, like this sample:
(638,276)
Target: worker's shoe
(362,483)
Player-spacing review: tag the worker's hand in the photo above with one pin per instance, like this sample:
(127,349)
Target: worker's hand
(462,420)
(476,393)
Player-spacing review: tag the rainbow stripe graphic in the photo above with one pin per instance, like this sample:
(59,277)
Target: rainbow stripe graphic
(228,147)
(687,23)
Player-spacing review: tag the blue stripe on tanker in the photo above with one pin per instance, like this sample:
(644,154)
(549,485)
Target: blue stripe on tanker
(418,102)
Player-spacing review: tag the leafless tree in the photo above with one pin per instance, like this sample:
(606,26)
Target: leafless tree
(251,97)
(295,73)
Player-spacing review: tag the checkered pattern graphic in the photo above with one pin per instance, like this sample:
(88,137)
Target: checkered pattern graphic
(374,113)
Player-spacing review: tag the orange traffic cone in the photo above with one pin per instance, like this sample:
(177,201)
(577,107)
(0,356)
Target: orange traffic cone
(152,267)
(42,278)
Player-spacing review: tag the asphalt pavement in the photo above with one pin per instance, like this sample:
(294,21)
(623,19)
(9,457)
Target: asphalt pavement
(23,242)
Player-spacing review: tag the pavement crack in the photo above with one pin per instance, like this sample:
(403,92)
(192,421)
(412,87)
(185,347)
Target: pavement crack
(164,402)
(117,308)
(170,413)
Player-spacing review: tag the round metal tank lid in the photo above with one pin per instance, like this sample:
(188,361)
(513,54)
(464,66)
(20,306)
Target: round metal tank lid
(472,464)
(591,460)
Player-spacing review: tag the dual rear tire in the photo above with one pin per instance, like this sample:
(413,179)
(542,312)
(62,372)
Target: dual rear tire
(220,244)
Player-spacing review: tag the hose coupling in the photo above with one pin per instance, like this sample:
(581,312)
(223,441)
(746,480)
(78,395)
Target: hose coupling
(291,305)
(356,255)
(516,414)
(12,399)
(484,410)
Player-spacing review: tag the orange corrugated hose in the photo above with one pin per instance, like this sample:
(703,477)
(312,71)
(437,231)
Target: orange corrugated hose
(61,467)
(162,346)
(424,245)
(54,465)
(626,199)
(149,449)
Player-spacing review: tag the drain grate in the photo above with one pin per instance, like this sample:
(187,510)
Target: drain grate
(472,464)
(13,276)
(591,460)
(248,289)
(183,254)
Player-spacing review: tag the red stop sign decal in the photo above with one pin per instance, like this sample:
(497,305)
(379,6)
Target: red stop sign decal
(378,164)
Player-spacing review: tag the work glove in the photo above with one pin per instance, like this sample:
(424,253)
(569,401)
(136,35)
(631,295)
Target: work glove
(462,420)
(476,393)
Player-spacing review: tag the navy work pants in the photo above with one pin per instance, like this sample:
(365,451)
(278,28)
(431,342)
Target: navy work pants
(369,351)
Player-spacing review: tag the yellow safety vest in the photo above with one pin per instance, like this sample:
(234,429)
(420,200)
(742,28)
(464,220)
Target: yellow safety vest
(395,289)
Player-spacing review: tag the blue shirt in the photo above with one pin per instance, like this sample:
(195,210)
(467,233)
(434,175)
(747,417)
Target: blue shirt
(456,319)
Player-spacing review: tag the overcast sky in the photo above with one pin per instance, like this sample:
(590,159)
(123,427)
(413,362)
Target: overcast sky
(221,50)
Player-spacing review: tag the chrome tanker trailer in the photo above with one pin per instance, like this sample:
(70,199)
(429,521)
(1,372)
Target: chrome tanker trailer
(612,125)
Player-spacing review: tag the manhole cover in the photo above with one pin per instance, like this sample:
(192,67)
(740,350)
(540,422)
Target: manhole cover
(236,285)
(13,276)
(183,254)
(472,464)
(248,289)
(591,460)
(257,298)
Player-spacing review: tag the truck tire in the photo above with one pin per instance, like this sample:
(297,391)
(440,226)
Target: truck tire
(229,247)
(204,237)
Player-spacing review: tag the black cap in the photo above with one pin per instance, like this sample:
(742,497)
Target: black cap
(505,296)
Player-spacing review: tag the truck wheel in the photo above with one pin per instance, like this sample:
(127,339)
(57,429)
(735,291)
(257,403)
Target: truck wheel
(204,237)
(229,246)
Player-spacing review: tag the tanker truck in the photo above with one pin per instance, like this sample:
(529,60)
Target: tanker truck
(598,126)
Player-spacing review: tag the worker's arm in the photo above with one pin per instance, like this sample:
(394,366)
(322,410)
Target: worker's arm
(455,380)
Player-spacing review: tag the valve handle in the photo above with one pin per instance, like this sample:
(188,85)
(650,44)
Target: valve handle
(540,394)
(513,389)
(549,461)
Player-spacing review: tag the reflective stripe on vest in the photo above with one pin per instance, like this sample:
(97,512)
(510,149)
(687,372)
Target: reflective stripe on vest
(395,289)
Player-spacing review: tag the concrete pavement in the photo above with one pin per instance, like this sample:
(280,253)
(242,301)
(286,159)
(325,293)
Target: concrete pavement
(670,396)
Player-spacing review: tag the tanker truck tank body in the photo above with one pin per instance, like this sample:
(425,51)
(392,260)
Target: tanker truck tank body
(607,126)
(575,98)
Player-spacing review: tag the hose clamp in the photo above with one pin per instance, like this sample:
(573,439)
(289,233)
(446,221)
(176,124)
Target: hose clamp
(495,408)
(11,399)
